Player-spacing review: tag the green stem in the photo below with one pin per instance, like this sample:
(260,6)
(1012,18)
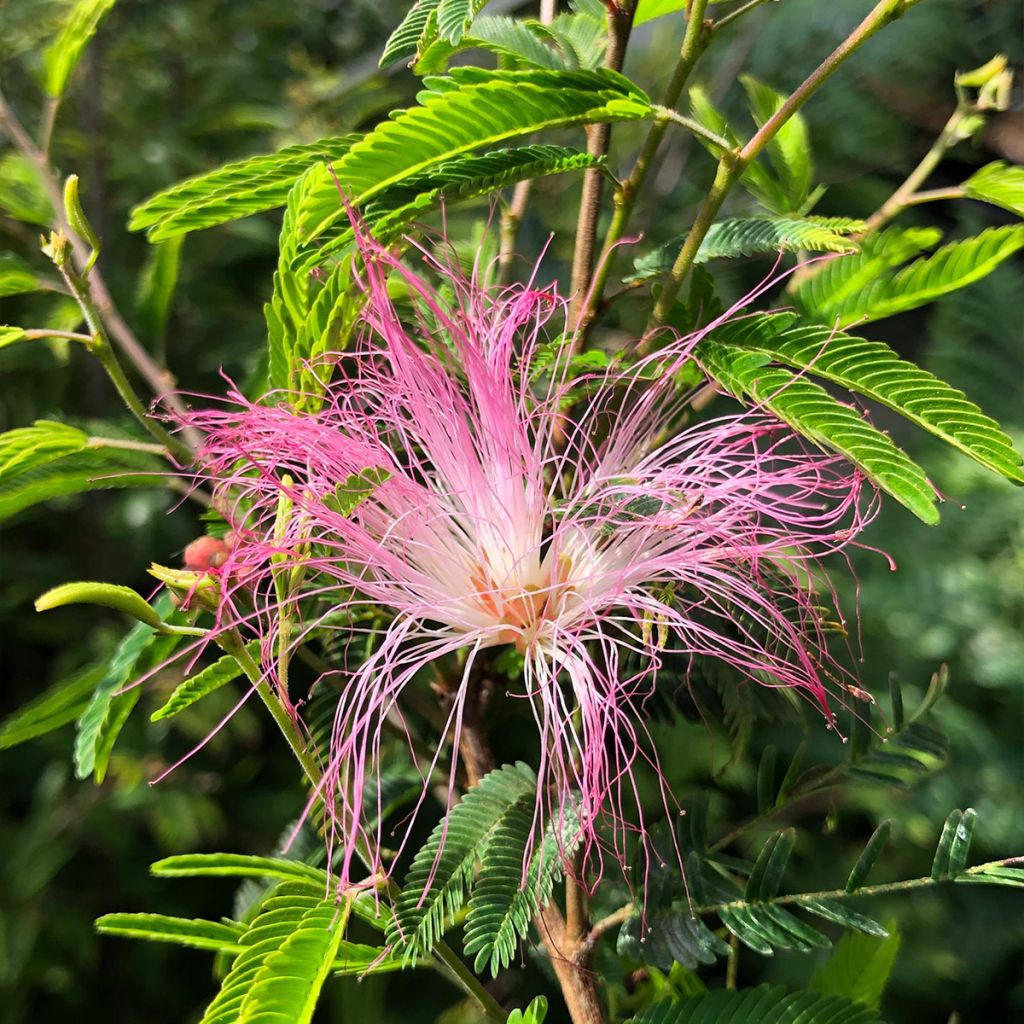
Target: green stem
(695,41)
(738,13)
(233,645)
(933,195)
(468,981)
(99,345)
(45,332)
(732,164)
(108,360)
(453,966)
(732,966)
(905,195)
(50,109)
(796,899)
(667,114)
(730,167)
(127,445)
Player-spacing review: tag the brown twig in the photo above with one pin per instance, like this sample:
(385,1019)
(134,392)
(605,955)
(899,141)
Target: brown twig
(512,215)
(620,23)
(566,936)
(160,381)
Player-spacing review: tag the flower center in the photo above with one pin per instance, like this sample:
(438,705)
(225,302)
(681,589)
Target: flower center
(522,607)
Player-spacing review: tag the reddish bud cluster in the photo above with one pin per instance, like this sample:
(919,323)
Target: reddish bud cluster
(208,552)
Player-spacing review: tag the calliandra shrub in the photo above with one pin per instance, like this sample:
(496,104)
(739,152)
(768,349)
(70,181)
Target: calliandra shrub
(434,493)
(487,514)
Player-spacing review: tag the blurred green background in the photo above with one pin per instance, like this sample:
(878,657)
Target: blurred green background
(170,89)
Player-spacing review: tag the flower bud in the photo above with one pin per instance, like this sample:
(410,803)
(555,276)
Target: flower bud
(206,553)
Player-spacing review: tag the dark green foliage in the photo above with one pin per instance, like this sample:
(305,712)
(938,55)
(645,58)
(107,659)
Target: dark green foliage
(858,968)
(505,897)
(870,854)
(760,1006)
(766,875)
(750,236)
(438,881)
(59,704)
(673,935)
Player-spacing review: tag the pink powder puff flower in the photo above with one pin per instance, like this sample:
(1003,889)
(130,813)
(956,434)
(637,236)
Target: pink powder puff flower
(493,517)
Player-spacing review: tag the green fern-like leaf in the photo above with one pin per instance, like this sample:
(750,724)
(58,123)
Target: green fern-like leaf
(233,191)
(219,936)
(673,935)
(758,1006)
(757,179)
(764,927)
(306,316)
(211,678)
(27,447)
(790,148)
(411,37)
(837,282)
(468,178)
(64,53)
(950,268)
(1006,875)
(535,1013)
(438,879)
(459,180)
(105,713)
(50,460)
(749,236)
(454,17)
(1000,184)
(839,913)
(238,865)
(327,327)
(289,305)
(873,369)
(287,953)
(858,968)
(518,43)
(812,412)
(465,111)
(582,35)
(55,707)
(504,901)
